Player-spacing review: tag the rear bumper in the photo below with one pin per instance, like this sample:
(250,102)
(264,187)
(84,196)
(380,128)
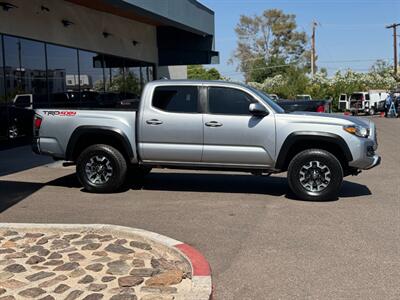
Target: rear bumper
(36,146)
(47,146)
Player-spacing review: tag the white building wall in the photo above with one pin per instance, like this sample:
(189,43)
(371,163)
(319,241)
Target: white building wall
(172,72)
(29,20)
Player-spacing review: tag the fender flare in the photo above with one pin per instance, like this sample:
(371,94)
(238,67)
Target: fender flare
(98,130)
(296,137)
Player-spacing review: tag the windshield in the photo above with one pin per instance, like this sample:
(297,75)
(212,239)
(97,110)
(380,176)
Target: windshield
(303,97)
(268,100)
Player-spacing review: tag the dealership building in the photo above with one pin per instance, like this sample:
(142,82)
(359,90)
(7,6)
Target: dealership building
(52,47)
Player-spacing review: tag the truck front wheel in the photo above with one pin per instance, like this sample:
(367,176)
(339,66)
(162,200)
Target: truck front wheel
(315,175)
(101,169)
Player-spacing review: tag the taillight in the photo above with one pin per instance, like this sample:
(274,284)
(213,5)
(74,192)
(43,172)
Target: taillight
(321,108)
(37,122)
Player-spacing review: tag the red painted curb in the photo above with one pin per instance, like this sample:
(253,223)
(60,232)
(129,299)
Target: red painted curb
(199,263)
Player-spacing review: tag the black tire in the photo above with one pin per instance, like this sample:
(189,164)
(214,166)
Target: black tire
(372,111)
(323,180)
(111,170)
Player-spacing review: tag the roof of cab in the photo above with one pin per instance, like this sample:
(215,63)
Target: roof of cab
(195,82)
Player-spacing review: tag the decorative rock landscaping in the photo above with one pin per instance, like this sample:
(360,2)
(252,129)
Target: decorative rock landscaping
(57,263)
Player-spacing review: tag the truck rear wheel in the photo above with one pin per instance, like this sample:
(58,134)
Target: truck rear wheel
(101,169)
(315,175)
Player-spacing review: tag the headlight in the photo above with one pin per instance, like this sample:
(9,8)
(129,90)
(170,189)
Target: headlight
(357,130)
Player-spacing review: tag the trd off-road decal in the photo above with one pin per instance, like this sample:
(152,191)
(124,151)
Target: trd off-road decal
(60,113)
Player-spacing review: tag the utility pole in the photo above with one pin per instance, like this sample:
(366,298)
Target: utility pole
(313,56)
(394,26)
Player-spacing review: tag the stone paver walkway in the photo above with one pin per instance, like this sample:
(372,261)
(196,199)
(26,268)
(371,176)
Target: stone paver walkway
(88,265)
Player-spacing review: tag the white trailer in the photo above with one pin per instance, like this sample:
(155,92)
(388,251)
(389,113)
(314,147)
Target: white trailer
(369,102)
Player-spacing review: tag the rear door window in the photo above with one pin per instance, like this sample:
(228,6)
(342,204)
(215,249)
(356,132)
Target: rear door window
(178,99)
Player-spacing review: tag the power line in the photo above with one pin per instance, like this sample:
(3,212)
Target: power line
(324,61)
(294,63)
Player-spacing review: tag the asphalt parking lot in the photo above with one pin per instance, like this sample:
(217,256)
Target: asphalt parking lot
(261,243)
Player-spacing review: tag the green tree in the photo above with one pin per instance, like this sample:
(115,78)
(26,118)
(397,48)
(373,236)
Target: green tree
(268,44)
(322,86)
(381,67)
(120,82)
(261,69)
(198,72)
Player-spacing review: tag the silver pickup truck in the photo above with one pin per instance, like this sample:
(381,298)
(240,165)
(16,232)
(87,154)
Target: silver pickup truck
(208,125)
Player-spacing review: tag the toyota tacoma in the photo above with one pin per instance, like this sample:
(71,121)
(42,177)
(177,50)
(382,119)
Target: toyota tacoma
(208,125)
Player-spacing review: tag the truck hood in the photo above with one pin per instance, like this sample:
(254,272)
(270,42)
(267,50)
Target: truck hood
(334,119)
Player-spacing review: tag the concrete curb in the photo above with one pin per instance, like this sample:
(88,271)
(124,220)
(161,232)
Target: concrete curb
(201,272)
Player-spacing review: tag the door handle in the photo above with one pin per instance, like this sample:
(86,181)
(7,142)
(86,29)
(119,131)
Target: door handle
(154,122)
(213,124)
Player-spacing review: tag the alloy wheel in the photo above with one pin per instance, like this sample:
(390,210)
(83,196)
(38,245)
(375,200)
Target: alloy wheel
(13,131)
(99,169)
(314,176)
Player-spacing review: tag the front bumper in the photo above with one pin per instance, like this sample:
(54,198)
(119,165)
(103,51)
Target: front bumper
(364,150)
(376,162)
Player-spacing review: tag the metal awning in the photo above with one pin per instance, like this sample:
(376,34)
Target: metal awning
(185,28)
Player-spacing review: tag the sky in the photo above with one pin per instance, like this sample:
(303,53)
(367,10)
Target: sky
(351,33)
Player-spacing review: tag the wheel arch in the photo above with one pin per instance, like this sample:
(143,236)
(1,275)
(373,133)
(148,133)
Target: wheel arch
(85,136)
(299,141)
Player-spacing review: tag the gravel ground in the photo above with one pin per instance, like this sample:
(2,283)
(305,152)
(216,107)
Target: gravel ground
(52,264)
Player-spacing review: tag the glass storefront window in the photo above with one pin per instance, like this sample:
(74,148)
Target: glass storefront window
(25,68)
(91,71)
(115,78)
(2,88)
(3,107)
(91,79)
(71,74)
(150,71)
(133,86)
(62,72)
(24,82)
(114,75)
(68,78)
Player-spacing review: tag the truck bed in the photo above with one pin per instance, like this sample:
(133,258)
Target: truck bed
(305,105)
(59,126)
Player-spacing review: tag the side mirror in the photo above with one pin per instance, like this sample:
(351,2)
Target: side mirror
(257,109)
